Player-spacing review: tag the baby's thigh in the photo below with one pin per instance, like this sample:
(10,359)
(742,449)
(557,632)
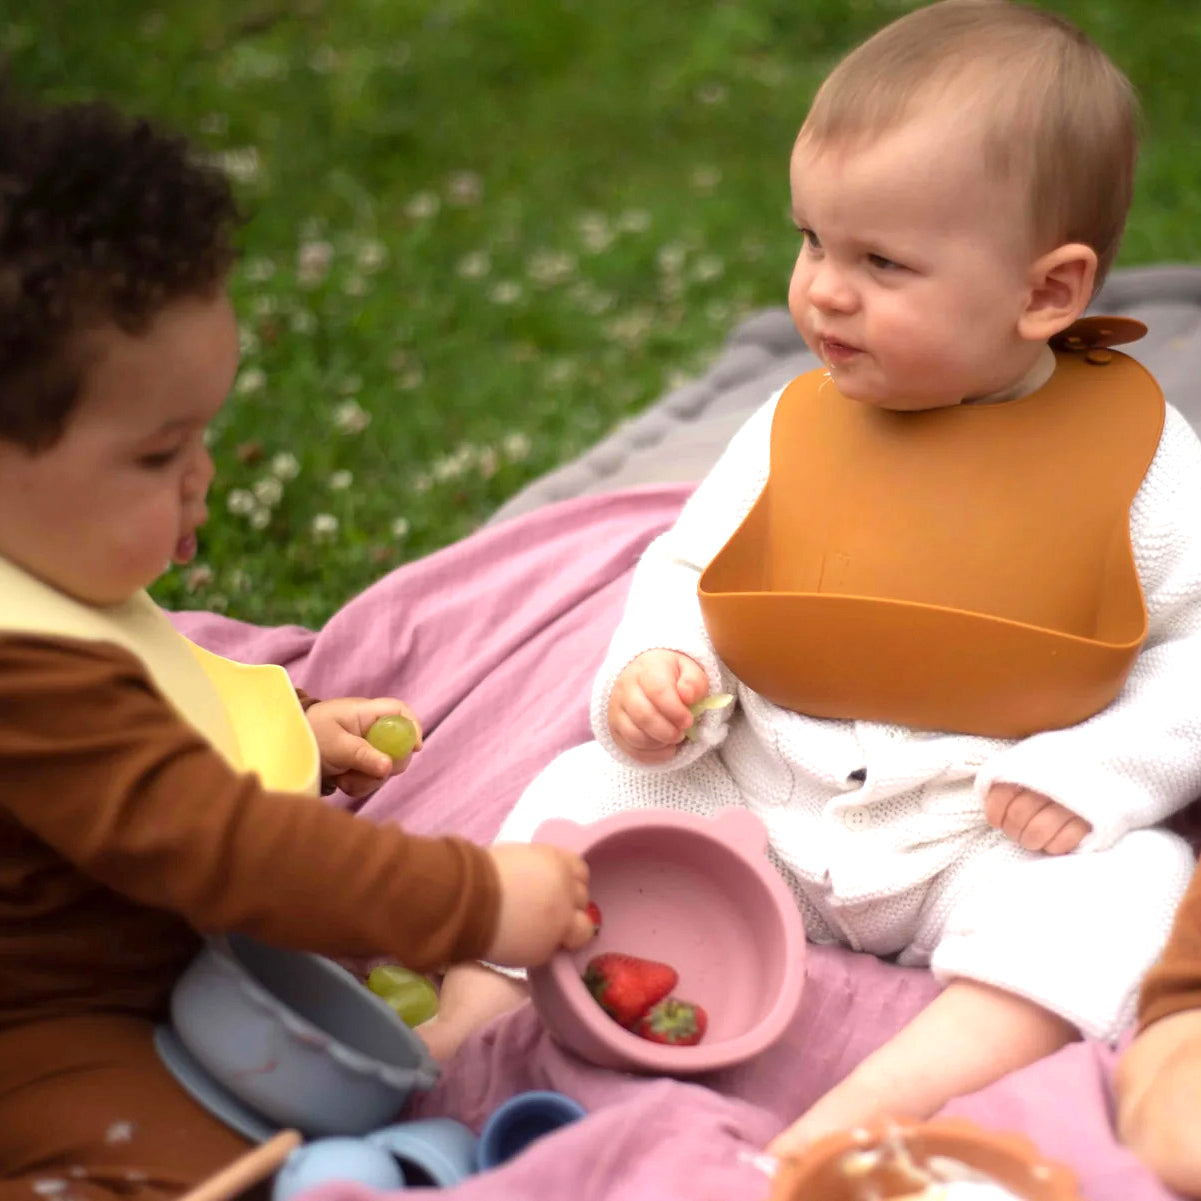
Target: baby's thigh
(1075,933)
(87,1111)
(586,783)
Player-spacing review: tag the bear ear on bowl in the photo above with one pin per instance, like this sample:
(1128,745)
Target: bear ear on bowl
(561,832)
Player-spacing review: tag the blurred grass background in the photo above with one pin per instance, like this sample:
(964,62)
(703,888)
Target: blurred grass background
(479,235)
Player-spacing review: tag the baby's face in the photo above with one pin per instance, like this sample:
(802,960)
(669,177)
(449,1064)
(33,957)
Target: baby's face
(101,513)
(914,269)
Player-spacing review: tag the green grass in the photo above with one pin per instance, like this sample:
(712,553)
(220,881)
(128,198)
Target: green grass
(518,224)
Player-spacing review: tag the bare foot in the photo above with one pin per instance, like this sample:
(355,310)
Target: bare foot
(470,997)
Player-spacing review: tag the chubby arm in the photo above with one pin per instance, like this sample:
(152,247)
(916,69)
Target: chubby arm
(98,766)
(1136,762)
(663,611)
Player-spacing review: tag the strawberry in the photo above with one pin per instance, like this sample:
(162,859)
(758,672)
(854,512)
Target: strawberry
(594,916)
(625,986)
(675,1022)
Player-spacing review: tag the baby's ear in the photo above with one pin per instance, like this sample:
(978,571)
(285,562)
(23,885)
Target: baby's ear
(1061,285)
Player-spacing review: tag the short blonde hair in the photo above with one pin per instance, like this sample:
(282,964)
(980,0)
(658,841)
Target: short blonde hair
(1056,114)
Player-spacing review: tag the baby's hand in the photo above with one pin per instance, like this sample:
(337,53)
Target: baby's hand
(543,898)
(347,758)
(648,709)
(1034,821)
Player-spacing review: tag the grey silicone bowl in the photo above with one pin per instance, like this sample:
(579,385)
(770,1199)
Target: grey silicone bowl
(296,1038)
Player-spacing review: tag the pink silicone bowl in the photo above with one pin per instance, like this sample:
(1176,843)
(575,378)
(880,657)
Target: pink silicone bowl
(695,892)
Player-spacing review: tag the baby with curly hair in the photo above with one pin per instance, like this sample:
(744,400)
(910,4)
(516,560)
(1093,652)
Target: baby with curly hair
(142,805)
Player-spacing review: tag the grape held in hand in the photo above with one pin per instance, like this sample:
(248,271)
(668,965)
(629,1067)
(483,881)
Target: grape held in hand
(394,735)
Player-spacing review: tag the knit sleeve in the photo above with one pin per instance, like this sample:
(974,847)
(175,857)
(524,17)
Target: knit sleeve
(1139,759)
(1174,983)
(99,767)
(663,610)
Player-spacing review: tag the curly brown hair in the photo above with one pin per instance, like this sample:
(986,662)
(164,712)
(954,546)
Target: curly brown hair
(104,219)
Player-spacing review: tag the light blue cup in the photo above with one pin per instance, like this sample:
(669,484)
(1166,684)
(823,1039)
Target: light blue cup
(327,1159)
(522,1120)
(430,1151)
(436,1152)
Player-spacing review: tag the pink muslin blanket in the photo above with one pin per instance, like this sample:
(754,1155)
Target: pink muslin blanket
(494,642)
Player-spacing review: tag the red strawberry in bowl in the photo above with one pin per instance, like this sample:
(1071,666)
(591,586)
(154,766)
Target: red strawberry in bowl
(625,986)
(674,1022)
(594,916)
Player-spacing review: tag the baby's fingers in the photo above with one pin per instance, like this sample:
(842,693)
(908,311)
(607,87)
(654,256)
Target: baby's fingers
(997,802)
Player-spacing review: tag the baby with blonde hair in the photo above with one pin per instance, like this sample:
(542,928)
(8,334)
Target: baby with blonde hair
(953,577)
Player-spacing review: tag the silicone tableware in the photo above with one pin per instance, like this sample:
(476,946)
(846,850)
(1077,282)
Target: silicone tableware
(695,892)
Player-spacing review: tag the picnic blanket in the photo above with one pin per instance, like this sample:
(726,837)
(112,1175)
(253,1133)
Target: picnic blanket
(494,641)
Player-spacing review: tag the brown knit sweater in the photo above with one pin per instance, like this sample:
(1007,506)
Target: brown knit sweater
(124,836)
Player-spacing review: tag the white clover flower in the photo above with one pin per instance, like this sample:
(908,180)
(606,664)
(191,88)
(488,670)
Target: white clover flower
(630,328)
(453,465)
(550,267)
(401,527)
(269,491)
(712,93)
(475,265)
(240,502)
(464,188)
(350,384)
(591,299)
(313,261)
(351,418)
(218,602)
(264,305)
(507,291)
(671,257)
(251,380)
(516,446)
(200,576)
(303,321)
(487,462)
(421,482)
(285,465)
(354,285)
(258,270)
(634,221)
(242,164)
(325,526)
(239,580)
(214,124)
(339,481)
(705,178)
(248,340)
(708,268)
(260,518)
(423,206)
(595,232)
(373,254)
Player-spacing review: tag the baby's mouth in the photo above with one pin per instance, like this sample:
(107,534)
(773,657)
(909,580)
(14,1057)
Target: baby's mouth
(834,353)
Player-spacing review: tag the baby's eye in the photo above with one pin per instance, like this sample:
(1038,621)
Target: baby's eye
(882,263)
(159,458)
(811,239)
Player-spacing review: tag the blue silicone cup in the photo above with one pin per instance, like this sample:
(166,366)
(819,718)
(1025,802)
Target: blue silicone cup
(521,1120)
(438,1151)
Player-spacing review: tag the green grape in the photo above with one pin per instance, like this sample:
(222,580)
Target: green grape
(395,736)
(717,700)
(411,994)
